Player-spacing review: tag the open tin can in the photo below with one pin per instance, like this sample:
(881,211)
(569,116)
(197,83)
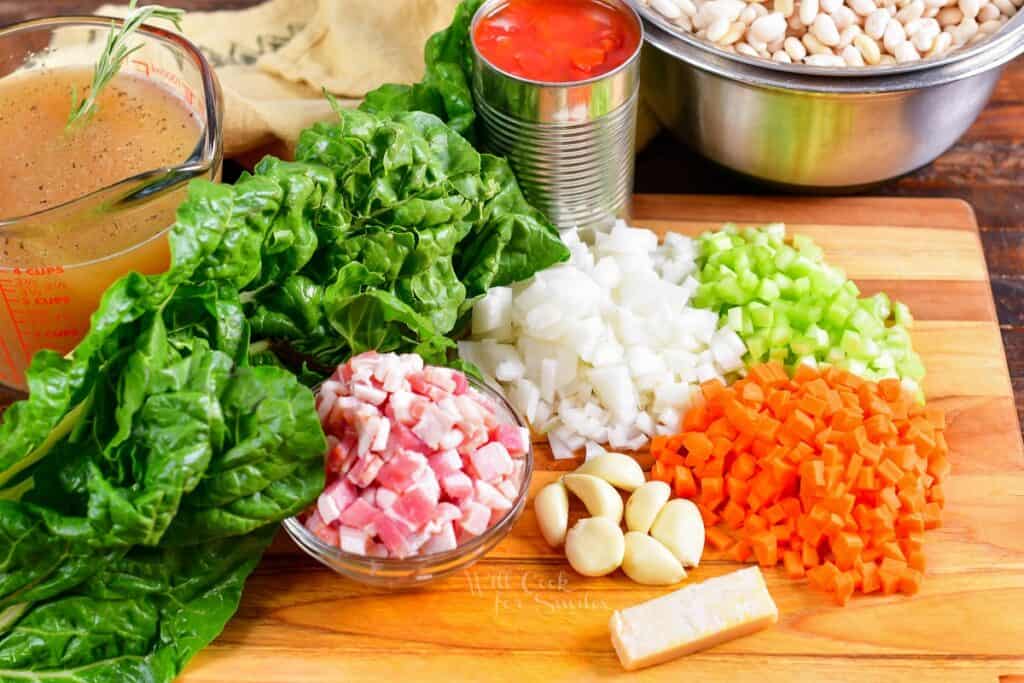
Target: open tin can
(571,144)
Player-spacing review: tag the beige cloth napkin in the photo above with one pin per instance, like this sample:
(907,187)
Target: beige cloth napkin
(275,59)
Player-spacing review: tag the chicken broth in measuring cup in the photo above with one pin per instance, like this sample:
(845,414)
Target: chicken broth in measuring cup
(82,205)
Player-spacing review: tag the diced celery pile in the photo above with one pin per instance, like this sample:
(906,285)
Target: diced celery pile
(789,305)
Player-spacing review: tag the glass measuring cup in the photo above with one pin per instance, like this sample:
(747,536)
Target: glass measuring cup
(48,295)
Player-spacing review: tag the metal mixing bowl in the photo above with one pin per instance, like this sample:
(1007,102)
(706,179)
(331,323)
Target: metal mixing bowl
(815,128)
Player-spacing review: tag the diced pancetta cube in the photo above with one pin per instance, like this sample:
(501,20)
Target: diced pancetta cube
(369,393)
(490,496)
(452,439)
(470,411)
(316,526)
(510,437)
(411,363)
(403,439)
(380,440)
(394,534)
(475,518)
(338,457)
(426,481)
(433,425)
(475,437)
(365,470)
(359,514)
(440,377)
(491,462)
(445,463)
(415,507)
(442,540)
(353,540)
(338,495)
(518,469)
(446,512)
(376,550)
(461,383)
(406,407)
(399,473)
(457,486)
(509,488)
(385,498)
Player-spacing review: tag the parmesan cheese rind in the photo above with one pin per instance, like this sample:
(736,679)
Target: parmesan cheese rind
(692,619)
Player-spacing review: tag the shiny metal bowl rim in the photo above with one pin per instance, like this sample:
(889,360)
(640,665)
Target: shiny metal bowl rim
(1012,32)
(1005,46)
(318,549)
(489,6)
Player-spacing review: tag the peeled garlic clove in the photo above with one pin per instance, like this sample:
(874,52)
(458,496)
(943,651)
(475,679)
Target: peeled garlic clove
(552,509)
(595,546)
(621,471)
(649,562)
(680,527)
(644,505)
(600,499)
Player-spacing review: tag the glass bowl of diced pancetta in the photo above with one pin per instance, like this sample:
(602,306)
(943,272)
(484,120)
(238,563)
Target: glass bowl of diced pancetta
(440,501)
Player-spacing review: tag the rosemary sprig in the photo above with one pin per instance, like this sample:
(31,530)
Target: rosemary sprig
(115,53)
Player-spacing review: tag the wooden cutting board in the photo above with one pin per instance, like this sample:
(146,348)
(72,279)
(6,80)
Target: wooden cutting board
(521,614)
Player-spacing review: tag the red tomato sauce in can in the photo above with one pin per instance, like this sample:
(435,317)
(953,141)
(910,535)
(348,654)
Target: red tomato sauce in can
(557,41)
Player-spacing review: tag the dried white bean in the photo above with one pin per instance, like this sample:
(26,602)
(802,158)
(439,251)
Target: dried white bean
(684,22)
(969,7)
(551,506)
(852,56)
(830,6)
(688,7)
(950,16)
(598,496)
(795,24)
(848,34)
(876,22)
(595,546)
(735,32)
(926,35)
(769,28)
(808,10)
(760,9)
(931,12)
(887,60)
(964,31)
(990,27)
(824,29)
(748,15)
(746,49)
(942,43)
(988,13)
(825,60)
(774,46)
(815,46)
(913,11)
(667,8)
(680,527)
(645,503)
(863,7)
(935,3)
(649,562)
(795,49)
(868,48)
(782,57)
(718,28)
(905,52)
(785,7)
(894,36)
(845,17)
(911,28)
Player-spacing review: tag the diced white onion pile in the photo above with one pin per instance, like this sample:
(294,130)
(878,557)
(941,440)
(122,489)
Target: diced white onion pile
(605,348)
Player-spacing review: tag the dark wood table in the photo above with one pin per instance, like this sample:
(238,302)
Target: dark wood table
(986,168)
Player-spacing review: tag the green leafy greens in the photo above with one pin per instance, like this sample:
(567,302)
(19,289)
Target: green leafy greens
(143,477)
(139,480)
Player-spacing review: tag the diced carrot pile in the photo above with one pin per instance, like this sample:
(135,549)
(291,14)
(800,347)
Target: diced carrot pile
(834,476)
